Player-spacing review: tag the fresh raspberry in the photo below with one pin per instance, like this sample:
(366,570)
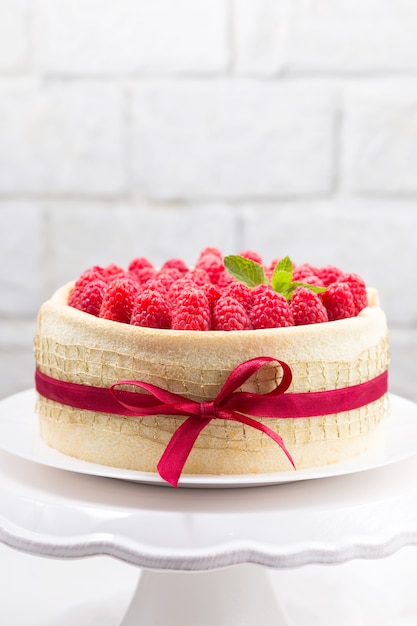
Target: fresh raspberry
(240,292)
(307,307)
(339,302)
(139,263)
(313,279)
(269,308)
(229,314)
(191,311)
(178,286)
(114,271)
(177,264)
(273,264)
(301,272)
(209,250)
(225,279)
(89,297)
(212,265)
(358,288)
(142,275)
(329,274)
(75,296)
(259,290)
(141,269)
(151,310)
(198,276)
(253,256)
(93,273)
(268,273)
(119,300)
(212,293)
(165,277)
(92,297)
(154,284)
(90,274)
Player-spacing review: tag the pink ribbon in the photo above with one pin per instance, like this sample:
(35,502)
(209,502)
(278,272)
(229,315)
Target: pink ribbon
(229,404)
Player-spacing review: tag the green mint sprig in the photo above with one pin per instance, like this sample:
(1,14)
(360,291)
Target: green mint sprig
(252,273)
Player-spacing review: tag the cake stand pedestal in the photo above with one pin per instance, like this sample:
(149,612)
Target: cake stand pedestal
(241,595)
(206,552)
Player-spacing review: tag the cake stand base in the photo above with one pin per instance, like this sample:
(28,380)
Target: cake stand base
(240,595)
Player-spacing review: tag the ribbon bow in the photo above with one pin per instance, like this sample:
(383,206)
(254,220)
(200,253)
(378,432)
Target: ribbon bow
(229,404)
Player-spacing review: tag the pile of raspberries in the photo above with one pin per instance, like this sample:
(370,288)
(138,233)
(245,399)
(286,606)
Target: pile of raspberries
(207,297)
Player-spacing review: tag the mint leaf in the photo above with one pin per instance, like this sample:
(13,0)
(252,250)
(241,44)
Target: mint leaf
(314,288)
(281,281)
(245,270)
(284,265)
(251,274)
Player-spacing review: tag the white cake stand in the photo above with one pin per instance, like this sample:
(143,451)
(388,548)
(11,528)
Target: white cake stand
(206,552)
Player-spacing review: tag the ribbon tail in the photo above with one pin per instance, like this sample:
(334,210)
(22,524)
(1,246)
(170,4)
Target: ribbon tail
(268,431)
(176,453)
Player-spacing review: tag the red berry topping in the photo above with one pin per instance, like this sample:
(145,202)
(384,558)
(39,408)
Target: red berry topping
(119,300)
(269,308)
(240,292)
(81,283)
(165,277)
(338,300)
(92,297)
(113,271)
(358,289)
(211,251)
(212,293)
(141,269)
(139,263)
(198,276)
(307,307)
(313,279)
(191,311)
(178,286)
(225,279)
(329,274)
(301,272)
(84,279)
(177,264)
(142,275)
(154,284)
(252,255)
(273,264)
(219,292)
(151,309)
(229,314)
(213,265)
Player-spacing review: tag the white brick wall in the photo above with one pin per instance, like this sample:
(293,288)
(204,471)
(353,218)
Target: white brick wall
(231,139)
(108,38)
(104,233)
(15,44)
(62,139)
(326,36)
(21,241)
(157,127)
(380,136)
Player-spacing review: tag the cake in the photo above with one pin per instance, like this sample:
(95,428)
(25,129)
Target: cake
(237,397)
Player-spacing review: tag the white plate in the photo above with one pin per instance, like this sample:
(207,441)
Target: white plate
(19,436)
